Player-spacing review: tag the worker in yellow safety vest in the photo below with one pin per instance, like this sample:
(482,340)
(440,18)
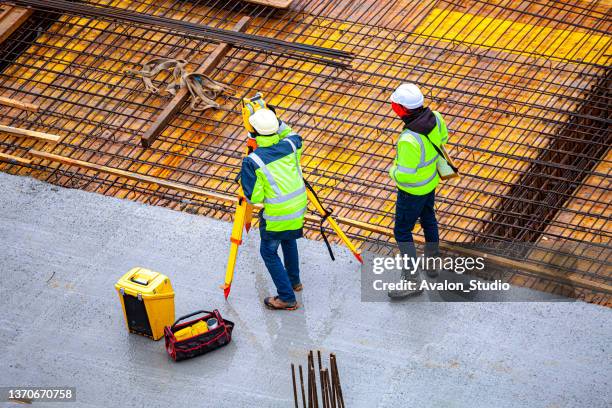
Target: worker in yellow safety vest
(415,174)
(272,175)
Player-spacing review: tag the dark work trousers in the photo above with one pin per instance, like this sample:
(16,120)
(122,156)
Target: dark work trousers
(286,275)
(408,210)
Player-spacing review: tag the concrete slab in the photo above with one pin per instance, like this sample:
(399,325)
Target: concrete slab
(62,250)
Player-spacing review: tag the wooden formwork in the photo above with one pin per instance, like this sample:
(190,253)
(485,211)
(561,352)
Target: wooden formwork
(11,18)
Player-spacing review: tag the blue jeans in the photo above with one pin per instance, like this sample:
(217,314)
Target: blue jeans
(284,276)
(408,210)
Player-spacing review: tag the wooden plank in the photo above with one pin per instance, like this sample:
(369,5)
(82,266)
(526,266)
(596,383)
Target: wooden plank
(4,10)
(281,4)
(18,104)
(47,137)
(182,95)
(14,159)
(498,260)
(11,18)
(134,176)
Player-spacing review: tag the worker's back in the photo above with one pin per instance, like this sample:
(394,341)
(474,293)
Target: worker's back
(415,167)
(272,175)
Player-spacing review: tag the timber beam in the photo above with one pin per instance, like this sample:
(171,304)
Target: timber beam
(14,103)
(280,4)
(45,137)
(14,159)
(11,18)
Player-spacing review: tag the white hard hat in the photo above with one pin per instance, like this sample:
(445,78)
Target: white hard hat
(408,95)
(264,121)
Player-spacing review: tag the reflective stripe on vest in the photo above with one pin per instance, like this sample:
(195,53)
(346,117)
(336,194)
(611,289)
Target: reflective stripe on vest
(419,183)
(406,170)
(288,217)
(294,148)
(280,197)
(267,173)
(422,162)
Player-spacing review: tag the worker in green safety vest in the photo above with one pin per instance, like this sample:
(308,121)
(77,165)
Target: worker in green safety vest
(272,175)
(415,174)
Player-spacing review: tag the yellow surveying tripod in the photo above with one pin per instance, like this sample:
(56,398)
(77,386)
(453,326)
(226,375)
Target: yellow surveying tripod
(244,211)
(243,216)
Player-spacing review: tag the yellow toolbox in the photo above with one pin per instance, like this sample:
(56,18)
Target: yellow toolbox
(147,299)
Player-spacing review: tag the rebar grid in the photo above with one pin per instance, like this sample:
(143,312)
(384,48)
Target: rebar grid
(506,91)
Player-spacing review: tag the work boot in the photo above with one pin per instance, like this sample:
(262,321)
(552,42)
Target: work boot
(431,251)
(407,248)
(433,273)
(408,277)
(275,303)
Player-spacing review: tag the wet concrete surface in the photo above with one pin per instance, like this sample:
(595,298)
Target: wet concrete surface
(62,251)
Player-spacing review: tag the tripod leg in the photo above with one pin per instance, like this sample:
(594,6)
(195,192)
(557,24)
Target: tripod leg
(333,224)
(248,218)
(235,241)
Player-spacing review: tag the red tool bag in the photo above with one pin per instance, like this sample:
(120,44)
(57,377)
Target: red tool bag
(202,343)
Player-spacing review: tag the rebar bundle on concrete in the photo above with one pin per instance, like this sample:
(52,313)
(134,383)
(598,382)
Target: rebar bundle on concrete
(524,87)
(324,393)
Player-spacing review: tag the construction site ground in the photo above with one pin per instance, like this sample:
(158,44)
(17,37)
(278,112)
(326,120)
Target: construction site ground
(62,250)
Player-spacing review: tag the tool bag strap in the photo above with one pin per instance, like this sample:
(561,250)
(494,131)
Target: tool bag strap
(452,166)
(438,150)
(191,315)
(324,216)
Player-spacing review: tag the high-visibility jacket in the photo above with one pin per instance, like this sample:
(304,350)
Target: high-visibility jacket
(414,169)
(272,175)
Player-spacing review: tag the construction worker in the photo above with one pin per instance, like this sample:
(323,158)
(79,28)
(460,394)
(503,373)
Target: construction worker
(272,175)
(414,171)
